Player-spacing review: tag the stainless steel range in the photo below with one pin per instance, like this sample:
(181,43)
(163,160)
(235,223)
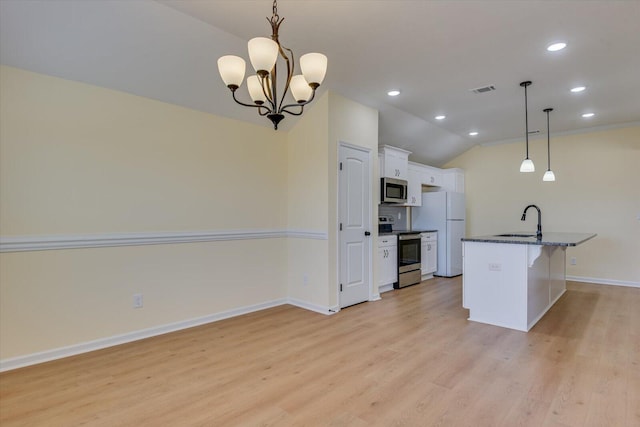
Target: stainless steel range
(409,244)
(409,268)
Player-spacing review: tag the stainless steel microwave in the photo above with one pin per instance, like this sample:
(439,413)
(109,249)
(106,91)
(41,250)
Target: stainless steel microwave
(393,190)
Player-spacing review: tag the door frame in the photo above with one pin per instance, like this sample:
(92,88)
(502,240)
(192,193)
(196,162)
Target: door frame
(367,151)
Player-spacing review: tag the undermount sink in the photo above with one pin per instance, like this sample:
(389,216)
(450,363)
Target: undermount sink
(515,235)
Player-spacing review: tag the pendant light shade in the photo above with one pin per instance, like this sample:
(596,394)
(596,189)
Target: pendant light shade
(527,164)
(548,175)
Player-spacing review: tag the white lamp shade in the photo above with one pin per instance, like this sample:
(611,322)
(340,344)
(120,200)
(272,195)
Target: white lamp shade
(263,53)
(314,67)
(527,166)
(255,90)
(300,89)
(549,176)
(231,69)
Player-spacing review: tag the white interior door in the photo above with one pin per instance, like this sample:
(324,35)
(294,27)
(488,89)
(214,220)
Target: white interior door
(354,216)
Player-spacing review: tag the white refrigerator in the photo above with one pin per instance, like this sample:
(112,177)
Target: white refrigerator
(445,212)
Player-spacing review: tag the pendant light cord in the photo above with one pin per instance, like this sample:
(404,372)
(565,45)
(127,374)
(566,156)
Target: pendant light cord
(526,120)
(548,110)
(526,115)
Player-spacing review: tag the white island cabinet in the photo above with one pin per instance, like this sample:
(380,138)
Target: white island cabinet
(513,280)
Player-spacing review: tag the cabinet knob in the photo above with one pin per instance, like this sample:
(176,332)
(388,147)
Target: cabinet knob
(367,233)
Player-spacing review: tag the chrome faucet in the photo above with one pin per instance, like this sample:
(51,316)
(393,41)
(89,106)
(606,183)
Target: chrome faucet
(524,216)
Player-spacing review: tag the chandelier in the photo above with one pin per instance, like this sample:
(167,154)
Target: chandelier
(263,86)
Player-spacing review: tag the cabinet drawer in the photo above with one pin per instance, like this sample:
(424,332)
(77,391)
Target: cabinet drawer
(429,237)
(386,241)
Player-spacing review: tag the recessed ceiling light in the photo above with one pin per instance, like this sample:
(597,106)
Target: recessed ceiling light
(473,133)
(578,89)
(440,117)
(554,47)
(393,93)
(588,115)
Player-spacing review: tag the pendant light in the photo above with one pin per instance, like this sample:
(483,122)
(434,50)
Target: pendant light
(527,164)
(548,175)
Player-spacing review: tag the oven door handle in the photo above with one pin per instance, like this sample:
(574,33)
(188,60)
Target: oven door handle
(409,236)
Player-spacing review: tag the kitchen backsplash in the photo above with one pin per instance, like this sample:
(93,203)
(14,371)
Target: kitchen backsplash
(399,214)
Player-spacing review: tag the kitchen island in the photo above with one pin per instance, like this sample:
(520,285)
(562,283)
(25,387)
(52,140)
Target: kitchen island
(513,279)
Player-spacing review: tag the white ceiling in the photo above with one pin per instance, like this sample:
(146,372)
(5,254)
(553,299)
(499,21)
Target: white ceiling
(433,51)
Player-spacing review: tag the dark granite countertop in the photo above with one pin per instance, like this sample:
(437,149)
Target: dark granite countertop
(529,238)
(399,232)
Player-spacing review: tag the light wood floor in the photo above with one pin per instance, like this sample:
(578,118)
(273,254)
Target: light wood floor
(411,359)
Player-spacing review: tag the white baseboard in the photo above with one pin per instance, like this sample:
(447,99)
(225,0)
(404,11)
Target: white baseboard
(385,288)
(599,281)
(313,307)
(85,347)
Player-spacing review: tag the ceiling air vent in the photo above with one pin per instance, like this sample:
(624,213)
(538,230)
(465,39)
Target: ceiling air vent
(483,89)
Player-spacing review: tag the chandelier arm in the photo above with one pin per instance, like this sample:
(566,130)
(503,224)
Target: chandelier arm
(259,107)
(267,92)
(300,104)
(284,110)
(290,69)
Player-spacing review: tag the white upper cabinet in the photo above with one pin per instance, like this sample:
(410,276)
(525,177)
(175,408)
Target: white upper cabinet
(453,180)
(414,186)
(394,162)
(432,176)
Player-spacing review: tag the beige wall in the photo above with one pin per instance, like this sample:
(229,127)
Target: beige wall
(355,124)
(313,190)
(81,159)
(307,205)
(78,159)
(597,190)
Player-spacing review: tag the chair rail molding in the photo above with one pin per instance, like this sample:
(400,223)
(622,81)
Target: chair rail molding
(79,241)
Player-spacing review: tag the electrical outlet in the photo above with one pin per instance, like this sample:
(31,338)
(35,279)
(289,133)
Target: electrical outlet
(137,301)
(494,266)
(573,261)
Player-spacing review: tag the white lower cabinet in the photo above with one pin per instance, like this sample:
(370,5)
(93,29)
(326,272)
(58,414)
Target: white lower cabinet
(429,253)
(388,260)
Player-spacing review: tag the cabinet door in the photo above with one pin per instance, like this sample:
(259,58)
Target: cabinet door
(424,257)
(453,180)
(432,258)
(414,187)
(388,258)
(395,164)
(435,179)
(392,264)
